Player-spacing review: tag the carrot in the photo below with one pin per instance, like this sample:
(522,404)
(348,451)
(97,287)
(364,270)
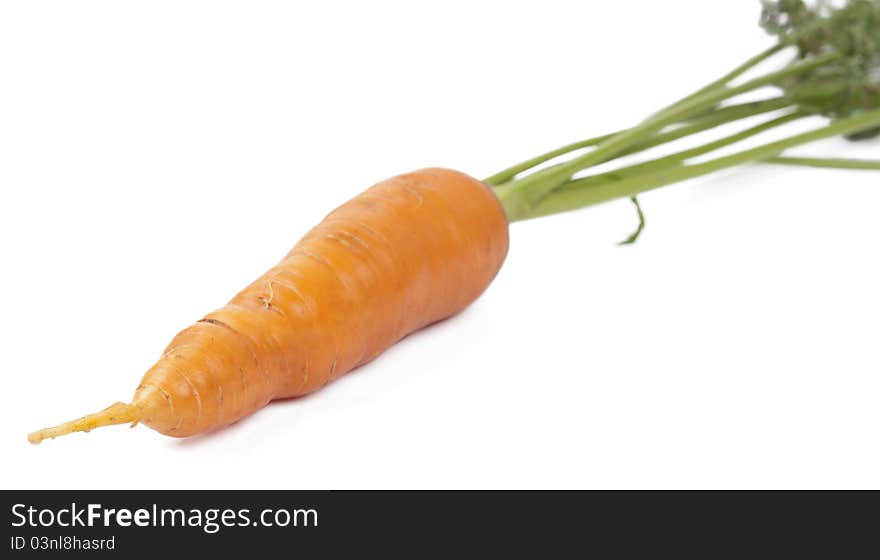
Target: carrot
(407,252)
(420,247)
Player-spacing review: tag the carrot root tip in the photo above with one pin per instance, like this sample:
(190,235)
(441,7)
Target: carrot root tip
(118,413)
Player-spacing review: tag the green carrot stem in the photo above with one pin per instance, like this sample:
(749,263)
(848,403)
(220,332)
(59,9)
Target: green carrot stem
(511,172)
(830,163)
(715,118)
(522,195)
(634,236)
(678,158)
(507,174)
(701,123)
(573,198)
(714,96)
(736,72)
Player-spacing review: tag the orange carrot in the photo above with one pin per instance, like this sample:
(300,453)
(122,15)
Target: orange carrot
(407,252)
(420,247)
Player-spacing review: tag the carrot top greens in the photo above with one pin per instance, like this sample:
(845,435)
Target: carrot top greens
(832,71)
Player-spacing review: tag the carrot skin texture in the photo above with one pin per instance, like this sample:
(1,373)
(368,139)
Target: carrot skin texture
(405,253)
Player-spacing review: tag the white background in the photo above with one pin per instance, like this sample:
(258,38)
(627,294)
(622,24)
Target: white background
(155,157)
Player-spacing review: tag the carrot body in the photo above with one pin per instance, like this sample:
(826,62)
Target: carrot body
(407,252)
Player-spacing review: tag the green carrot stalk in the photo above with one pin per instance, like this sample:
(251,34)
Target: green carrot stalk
(679,158)
(828,163)
(701,123)
(580,195)
(835,73)
(523,194)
